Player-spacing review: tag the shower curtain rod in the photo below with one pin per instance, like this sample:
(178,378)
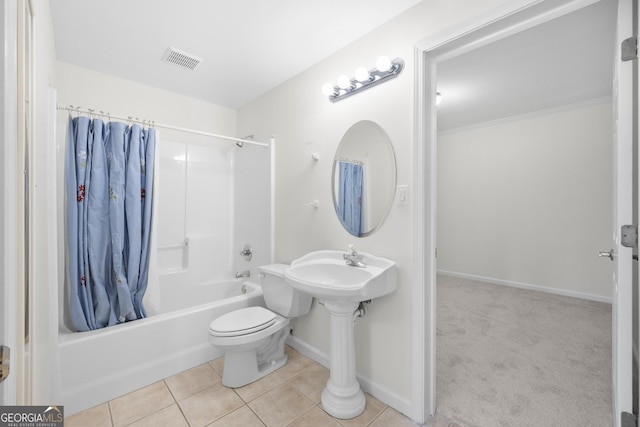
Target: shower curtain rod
(348,160)
(158,125)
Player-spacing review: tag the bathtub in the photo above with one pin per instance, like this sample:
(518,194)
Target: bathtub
(97,366)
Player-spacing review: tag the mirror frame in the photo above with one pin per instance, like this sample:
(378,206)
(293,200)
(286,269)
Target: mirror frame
(336,158)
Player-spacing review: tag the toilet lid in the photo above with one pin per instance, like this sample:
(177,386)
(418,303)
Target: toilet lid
(242,322)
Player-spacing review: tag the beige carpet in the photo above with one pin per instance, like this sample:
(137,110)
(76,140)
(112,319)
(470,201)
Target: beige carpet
(513,357)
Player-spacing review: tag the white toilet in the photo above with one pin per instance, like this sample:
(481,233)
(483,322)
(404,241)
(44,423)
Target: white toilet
(253,338)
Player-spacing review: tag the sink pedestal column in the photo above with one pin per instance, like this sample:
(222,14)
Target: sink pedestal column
(342,397)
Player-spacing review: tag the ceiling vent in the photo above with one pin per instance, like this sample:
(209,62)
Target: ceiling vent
(181,58)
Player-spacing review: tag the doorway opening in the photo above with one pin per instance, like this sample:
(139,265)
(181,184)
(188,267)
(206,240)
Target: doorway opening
(432,55)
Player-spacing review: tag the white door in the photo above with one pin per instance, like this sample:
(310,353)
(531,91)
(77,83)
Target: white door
(623,214)
(8,199)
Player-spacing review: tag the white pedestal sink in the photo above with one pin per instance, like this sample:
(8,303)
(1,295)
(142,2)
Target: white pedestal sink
(327,276)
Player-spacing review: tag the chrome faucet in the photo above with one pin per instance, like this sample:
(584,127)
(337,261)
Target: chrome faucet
(353,258)
(245,273)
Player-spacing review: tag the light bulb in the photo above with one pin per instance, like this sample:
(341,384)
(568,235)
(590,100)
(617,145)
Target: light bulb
(362,74)
(383,63)
(344,82)
(327,89)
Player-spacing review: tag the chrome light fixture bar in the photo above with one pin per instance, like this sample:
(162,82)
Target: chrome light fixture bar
(364,79)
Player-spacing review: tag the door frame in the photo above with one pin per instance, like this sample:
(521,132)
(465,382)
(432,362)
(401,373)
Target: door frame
(622,333)
(8,195)
(428,53)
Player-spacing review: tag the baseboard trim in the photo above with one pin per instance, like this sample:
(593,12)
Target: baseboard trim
(528,286)
(309,351)
(384,395)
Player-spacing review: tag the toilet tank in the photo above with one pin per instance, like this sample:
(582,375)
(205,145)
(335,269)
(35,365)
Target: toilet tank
(279,295)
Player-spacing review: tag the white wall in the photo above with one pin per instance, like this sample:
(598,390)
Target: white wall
(300,116)
(527,201)
(91,89)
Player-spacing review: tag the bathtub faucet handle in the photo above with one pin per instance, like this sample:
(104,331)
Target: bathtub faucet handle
(246,252)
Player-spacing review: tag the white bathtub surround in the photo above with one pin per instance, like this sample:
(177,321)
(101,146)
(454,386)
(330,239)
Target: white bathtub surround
(196,210)
(129,356)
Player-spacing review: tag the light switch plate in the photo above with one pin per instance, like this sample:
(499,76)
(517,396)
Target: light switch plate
(403,195)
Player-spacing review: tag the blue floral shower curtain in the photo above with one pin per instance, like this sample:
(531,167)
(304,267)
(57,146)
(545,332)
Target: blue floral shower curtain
(350,196)
(109,182)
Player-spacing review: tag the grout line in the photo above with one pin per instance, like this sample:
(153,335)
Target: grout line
(110,414)
(175,400)
(254,413)
(170,392)
(379,414)
(303,414)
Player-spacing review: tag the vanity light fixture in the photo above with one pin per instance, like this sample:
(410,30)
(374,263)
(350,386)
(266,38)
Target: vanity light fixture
(386,69)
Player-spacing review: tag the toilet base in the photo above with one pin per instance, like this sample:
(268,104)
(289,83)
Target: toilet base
(246,366)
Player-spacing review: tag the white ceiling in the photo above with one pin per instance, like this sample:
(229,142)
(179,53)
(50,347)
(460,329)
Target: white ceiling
(564,61)
(248,46)
(251,46)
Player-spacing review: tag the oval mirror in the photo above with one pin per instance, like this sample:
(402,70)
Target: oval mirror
(364,178)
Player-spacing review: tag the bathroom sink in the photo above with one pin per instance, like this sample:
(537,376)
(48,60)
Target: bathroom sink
(326,276)
(343,280)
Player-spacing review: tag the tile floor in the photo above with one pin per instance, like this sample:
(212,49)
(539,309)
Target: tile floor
(289,396)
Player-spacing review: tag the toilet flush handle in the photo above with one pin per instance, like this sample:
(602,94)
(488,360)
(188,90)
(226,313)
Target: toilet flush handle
(606,254)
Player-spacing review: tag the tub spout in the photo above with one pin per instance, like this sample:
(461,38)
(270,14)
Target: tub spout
(245,273)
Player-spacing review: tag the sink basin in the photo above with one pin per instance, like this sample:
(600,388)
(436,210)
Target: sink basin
(325,275)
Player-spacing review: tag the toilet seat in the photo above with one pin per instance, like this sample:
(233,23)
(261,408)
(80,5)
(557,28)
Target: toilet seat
(242,322)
